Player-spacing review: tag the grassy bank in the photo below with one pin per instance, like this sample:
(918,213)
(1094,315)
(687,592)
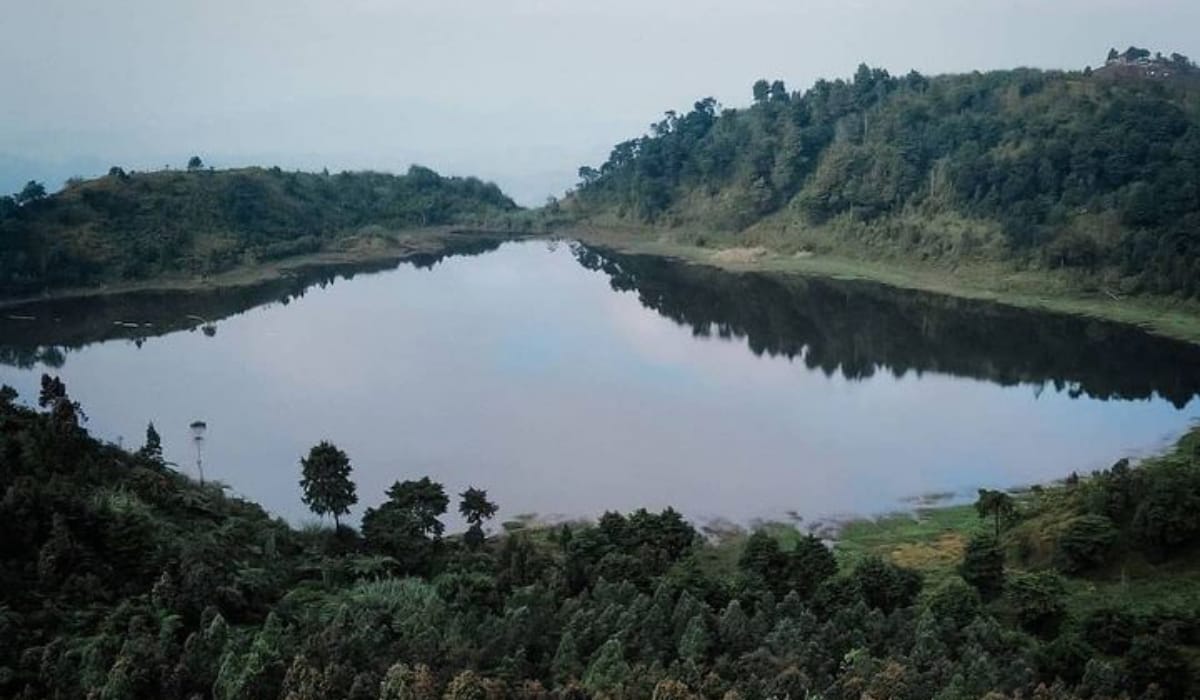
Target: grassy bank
(932,540)
(1041,290)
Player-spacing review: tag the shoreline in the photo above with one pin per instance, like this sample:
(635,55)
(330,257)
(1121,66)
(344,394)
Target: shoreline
(995,283)
(1161,316)
(394,248)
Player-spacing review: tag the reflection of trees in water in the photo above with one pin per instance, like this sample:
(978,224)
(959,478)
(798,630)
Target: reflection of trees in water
(860,328)
(45,332)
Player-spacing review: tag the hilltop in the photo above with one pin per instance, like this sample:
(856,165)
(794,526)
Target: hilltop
(1092,175)
(135,226)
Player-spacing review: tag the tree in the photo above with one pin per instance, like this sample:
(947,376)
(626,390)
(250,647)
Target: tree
(734,629)
(466,686)
(475,508)
(406,526)
(404,682)
(761,556)
(694,642)
(326,481)
(1112,55)
(566,665)
(152,450)
(885,585)
(808,564)
(1085,543)
(778,92)
(64,412)
(997,505)
(194,163)
(761,90)
(983,566)
(32,191)
(1039,601)
(608,669)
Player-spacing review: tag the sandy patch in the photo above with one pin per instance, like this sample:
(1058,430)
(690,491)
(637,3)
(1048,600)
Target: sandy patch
(739,255)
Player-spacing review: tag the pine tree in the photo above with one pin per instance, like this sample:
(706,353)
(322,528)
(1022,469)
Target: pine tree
(695,642)
(152,450)
(566,664)
(608,669)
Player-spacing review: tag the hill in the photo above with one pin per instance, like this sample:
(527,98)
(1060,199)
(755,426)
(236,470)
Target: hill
(136,226)
(1091,172)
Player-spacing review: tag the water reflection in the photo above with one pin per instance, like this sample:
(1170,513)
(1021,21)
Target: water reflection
(44,332)
(860,328)
(524,372)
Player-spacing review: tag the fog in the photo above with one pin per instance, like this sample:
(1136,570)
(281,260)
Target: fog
(521,92)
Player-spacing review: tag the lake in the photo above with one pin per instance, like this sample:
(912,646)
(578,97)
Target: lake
(568,380)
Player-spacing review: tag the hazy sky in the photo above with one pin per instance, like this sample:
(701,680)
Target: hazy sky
(521,92)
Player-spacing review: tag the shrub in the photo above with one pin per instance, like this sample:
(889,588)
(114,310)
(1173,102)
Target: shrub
(1085,543)
(983,566)
(1039,601)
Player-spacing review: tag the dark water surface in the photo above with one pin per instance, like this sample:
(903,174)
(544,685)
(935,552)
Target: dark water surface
(567,381)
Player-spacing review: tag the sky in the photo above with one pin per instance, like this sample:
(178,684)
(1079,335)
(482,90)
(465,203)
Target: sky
(520,92)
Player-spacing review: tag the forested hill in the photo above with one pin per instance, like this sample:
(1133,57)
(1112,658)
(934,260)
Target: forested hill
(131,226)
(122,578)
(1094,170)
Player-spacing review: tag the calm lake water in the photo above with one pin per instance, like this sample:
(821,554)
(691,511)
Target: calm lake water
(567,381)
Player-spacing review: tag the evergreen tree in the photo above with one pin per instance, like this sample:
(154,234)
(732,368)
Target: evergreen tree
(608,669)
(566,664)
(152,449)
(695,642)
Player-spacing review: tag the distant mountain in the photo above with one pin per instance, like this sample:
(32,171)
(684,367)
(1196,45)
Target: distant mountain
(1093,170)
(133,226)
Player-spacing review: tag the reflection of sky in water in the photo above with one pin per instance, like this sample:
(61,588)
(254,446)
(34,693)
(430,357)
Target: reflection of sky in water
(523,373)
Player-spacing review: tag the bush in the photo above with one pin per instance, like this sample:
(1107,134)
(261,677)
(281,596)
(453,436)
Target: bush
(983,566)
(1110,630)
(1151,660)
(885,585)
(1039,601)
(1085,543)
(1168,516)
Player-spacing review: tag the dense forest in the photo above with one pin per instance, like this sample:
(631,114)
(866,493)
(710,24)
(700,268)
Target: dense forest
(1095,171)
(133,226)
(122,578)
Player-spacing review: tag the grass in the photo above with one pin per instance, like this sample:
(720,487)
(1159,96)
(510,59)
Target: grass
(930,540)
(991,281)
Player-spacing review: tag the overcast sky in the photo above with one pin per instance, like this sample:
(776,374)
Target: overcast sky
(521,92)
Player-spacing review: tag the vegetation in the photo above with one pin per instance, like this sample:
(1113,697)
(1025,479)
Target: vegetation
(1092,172)
(326,482)
(121,578)
(137,226)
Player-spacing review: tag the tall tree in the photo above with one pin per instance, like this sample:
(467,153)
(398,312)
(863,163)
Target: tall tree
(326,481)
(194,163)
(475,508)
